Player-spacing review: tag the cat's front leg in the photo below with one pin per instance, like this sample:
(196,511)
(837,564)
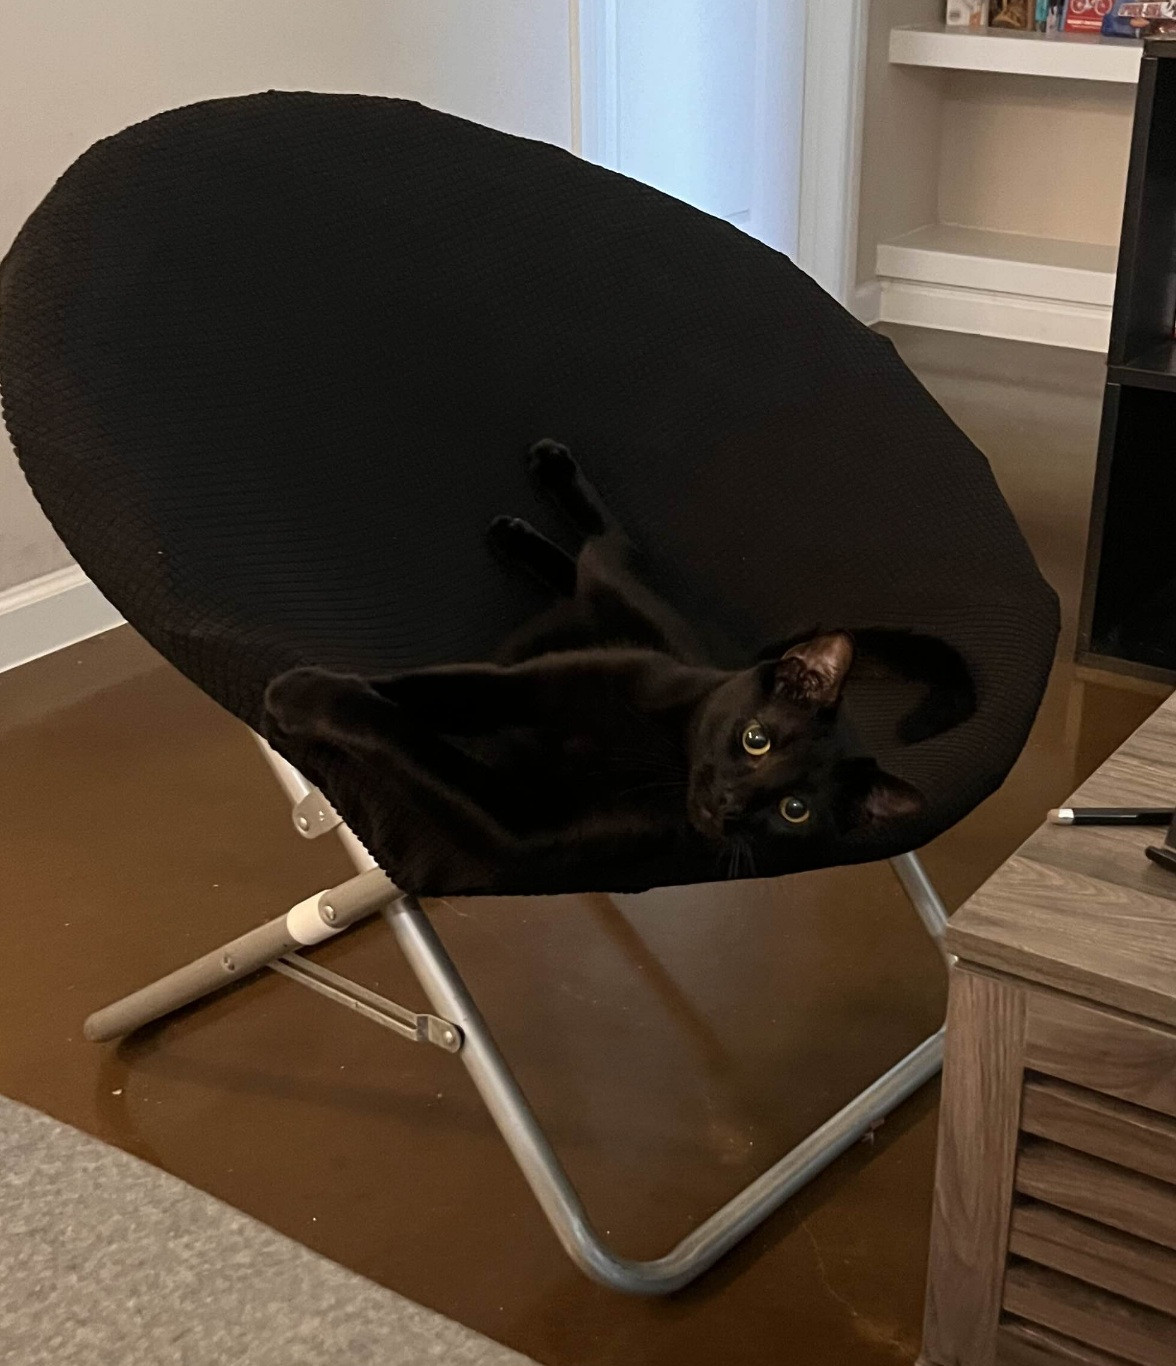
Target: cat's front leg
(336,709)
(460,699)
(423,800)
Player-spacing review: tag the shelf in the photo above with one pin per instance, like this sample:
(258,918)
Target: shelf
(1154,369)
(1003,262)
(1071,56)
(999,284)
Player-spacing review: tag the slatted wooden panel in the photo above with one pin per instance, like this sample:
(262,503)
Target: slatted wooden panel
(1028,1344)
(1098,1190)
(1133,1060)
(1101,1126)
(1091,1252)
(1108,1322)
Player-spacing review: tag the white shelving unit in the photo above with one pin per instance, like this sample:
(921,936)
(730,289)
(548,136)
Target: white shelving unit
(1068,56)
(957,133)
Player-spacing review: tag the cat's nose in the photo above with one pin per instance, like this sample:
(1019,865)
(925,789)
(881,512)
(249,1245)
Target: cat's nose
(727,805)
(707,821)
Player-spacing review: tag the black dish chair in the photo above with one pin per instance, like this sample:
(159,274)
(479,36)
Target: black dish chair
(269,364)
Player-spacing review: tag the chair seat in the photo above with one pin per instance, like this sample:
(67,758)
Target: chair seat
(271,363)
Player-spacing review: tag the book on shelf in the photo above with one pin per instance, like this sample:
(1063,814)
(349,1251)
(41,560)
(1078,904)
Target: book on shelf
(1086,16)
(1140,18)
(1111,18)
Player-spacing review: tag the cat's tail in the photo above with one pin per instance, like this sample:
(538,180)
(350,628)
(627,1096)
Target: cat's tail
(950,697)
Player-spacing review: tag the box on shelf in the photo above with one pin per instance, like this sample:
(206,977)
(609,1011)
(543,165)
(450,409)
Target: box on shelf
(1086,16)
(1015,14)
(967,13)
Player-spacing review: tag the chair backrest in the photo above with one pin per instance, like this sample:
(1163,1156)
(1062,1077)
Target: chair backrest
(270,364)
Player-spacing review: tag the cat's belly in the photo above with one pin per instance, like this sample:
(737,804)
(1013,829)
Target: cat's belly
(582,779)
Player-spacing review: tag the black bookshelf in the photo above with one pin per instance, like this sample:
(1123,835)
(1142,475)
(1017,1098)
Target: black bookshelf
(1128,618)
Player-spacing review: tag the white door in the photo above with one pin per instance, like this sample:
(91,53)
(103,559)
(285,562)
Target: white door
(702,99)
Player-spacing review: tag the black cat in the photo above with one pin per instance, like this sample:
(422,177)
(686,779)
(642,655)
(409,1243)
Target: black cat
(602,731)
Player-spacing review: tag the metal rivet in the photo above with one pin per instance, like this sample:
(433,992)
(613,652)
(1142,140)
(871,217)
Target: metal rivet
(227,963)
(303,823)
(447,1037)
(330,914)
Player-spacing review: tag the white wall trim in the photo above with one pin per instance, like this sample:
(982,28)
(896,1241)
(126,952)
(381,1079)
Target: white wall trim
(49,613)
(865,303)
(831,142)
(1051,322)
(597,72)
(575,82)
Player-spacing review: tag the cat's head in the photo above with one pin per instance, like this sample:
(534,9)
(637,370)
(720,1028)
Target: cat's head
(766,757)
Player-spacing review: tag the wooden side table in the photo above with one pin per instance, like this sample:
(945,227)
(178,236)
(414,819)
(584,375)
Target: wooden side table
(1054,1226)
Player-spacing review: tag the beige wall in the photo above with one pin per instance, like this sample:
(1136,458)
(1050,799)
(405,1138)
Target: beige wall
(1034,155)
(1013,153)
(900,133)
(75,71)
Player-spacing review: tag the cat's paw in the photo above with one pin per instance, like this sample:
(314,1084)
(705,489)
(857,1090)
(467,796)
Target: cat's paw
(293,697)
(505,533)
(551,465)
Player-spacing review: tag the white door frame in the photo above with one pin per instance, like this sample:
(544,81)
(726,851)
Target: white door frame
(831,143)
(816,88)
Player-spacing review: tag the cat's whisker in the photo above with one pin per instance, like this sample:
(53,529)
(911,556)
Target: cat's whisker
(749,852)
(739,860)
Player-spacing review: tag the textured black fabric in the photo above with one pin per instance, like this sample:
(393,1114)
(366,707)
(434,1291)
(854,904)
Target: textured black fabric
(271,363)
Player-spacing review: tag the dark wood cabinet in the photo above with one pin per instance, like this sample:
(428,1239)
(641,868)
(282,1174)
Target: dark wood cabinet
(1128,620)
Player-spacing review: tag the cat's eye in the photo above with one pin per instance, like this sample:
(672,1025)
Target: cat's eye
(755,739)
(795,810)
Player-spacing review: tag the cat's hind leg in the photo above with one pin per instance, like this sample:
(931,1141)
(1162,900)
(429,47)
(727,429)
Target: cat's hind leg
(522,546)
(611,575)
(556,474)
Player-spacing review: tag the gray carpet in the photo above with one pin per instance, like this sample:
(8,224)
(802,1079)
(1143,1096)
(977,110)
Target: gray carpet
(105,1261)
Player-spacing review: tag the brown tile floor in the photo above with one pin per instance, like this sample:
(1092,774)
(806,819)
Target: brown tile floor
(675,1047)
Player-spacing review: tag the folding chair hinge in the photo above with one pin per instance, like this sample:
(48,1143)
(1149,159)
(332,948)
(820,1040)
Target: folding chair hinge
(314,815)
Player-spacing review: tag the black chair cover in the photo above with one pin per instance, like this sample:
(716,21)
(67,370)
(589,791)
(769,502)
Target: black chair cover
(271,363)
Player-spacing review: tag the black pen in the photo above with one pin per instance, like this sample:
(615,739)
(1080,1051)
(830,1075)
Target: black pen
(1110,815)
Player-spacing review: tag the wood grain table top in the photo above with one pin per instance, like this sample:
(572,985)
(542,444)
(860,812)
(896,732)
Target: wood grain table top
(1081,908)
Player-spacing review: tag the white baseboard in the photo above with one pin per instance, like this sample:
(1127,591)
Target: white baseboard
(865,303)
(1051,322)
(49,613)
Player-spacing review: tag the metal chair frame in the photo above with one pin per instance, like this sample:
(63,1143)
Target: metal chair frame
(455,1025)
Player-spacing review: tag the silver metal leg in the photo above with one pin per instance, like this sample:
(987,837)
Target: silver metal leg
(319,917)
(457,1026)
(918,886)
(516,1121)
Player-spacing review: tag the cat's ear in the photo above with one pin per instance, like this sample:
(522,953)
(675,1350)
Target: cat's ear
(890,799)
(814,671)
(877,797)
